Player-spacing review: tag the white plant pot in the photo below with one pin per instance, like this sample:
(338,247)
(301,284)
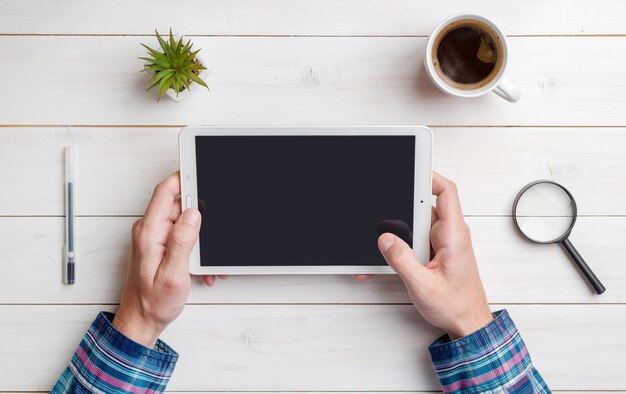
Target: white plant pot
(192,86)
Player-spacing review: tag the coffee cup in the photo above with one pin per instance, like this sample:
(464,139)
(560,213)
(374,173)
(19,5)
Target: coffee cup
(467,56)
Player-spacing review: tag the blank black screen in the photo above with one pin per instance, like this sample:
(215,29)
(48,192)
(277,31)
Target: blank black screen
(300,200)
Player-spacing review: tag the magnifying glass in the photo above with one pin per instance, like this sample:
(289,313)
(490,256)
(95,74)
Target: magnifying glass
(545,212)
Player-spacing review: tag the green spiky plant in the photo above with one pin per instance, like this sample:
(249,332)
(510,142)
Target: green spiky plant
(176,66)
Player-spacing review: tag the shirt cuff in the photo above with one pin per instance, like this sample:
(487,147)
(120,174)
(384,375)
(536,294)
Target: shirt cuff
(106,361)
(493,357)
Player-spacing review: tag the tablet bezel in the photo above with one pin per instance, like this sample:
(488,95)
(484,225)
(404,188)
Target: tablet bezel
(422,195)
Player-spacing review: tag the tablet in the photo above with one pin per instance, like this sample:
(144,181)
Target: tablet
(291,200)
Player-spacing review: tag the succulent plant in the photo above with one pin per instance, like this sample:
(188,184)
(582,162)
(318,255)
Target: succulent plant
(175,66)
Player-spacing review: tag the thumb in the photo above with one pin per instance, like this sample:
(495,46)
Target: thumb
(400,257)
(181,240)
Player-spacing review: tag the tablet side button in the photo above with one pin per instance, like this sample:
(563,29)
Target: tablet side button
(188,201)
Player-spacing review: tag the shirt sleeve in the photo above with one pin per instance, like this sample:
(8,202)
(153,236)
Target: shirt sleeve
(106,361)
(493,359)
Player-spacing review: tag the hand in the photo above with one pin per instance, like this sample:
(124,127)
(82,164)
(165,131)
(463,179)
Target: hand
(157,284)
(447,291)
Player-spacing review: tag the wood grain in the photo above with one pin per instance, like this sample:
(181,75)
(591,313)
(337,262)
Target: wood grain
(306,81)
(300,17)
(513,270)
(302,62)
(341,348)
(119,167)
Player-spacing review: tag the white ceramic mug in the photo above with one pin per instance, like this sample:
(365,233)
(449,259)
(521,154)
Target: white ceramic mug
(498,84)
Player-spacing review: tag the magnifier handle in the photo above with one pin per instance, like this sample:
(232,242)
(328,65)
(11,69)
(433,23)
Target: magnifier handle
(584,268)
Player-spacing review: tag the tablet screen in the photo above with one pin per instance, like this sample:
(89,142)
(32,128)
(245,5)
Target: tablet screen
(301,200)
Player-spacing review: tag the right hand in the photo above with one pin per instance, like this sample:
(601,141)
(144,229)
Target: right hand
(447,291)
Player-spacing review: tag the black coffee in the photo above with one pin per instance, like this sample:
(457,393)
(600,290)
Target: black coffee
(467,55)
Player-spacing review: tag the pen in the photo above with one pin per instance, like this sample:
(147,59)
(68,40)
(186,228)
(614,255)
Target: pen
(69,257)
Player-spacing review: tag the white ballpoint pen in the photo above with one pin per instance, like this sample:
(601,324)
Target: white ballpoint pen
(69,256)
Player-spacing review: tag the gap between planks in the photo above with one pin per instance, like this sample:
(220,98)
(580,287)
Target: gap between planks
(318,303)
(140,216)
(442,126)
(292,35)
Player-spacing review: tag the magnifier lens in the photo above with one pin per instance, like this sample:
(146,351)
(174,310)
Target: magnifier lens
(545,213)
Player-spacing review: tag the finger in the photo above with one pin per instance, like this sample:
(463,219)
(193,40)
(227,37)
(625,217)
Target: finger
(176,210)
(208,280)
(401,258)
(434,216)
(397,227)
(448,205)
(163,198)
(363,277)
(180,242)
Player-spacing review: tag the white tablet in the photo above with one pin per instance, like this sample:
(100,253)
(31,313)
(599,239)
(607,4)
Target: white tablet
(291,200)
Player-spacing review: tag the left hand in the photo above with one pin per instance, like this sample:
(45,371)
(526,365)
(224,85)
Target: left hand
(158,281)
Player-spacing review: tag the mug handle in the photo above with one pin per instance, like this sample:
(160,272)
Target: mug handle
(508,91)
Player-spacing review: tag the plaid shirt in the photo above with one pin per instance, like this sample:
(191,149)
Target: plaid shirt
(108,362)
(491,360)
(494,359)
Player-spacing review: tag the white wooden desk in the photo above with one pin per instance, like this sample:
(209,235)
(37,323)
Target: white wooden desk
(69,75)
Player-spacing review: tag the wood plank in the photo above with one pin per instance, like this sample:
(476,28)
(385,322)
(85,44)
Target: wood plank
(341,348)
(491,165)
(305,81)
(118,167)
(322,17)
(513,270)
